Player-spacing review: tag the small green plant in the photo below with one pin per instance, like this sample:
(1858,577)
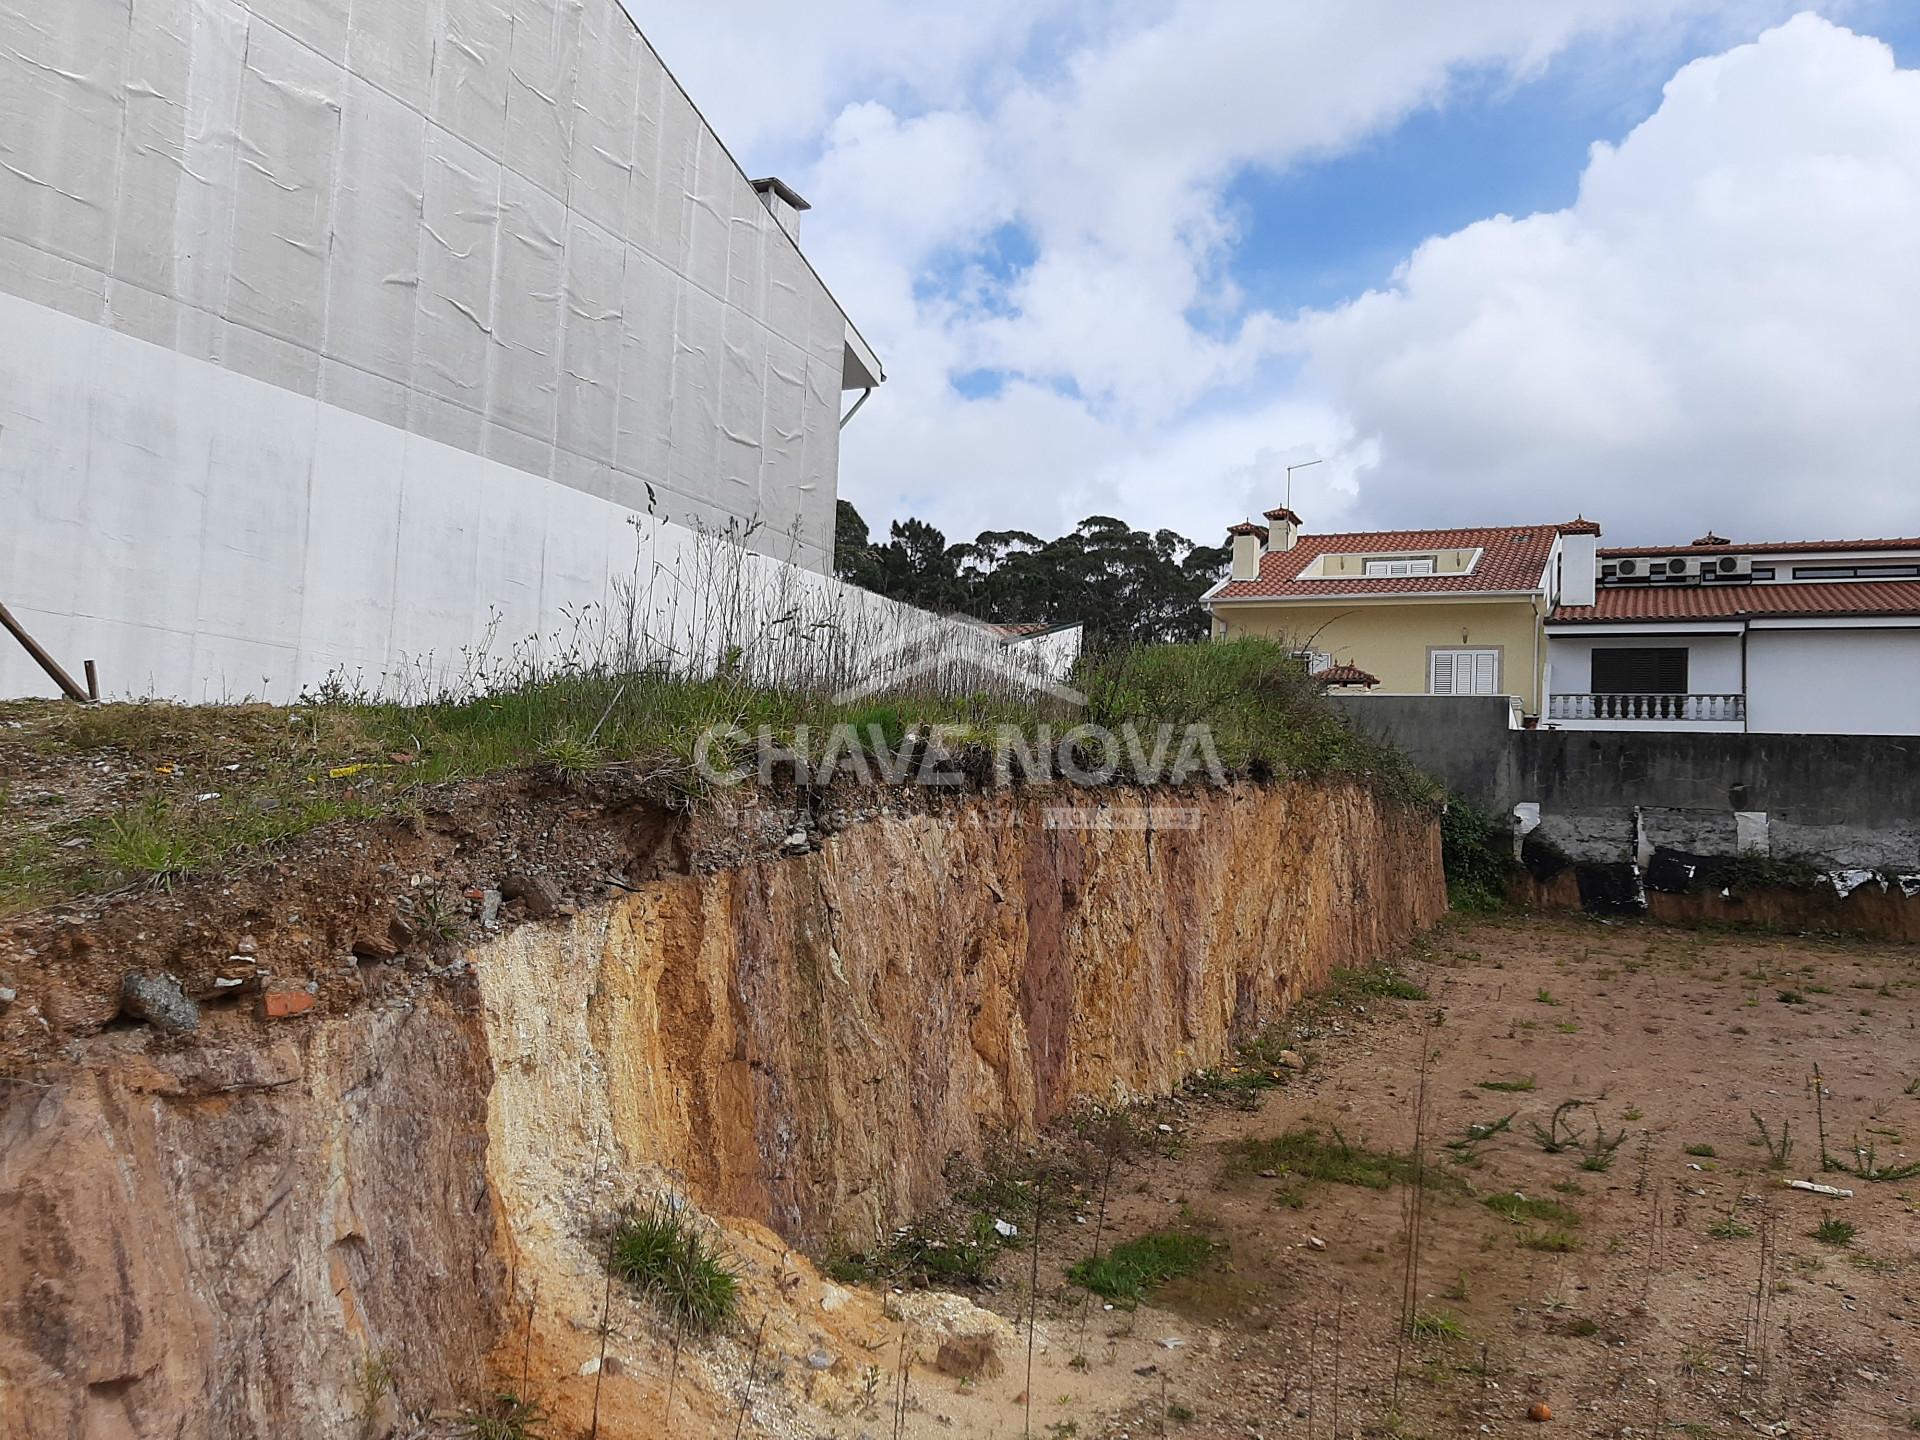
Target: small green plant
(570,753)
(1522,1086)
(1632,1113)
(1522,1208)
(1558,1134)
(1457,1291)
(1553,1242)
(1581,1327)
(505,1417)
(1704,1152)
(1378,983)
(1866,1164)
(1180,1414)
(148,842)
(1308,1155)
(1790,997)
(662,1253)
(1729,1227)
(1597,1151)
(1126,1272)
(1481,1132)
(433,917)
(1834,1231)
(373,1383)
(1779,1149)
(1436,1326)
(1544,996)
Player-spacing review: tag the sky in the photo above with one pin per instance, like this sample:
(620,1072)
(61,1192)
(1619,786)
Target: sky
(1652,261)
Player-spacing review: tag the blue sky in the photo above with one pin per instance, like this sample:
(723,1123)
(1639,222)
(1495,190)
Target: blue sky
(1135,258)
(1326,229)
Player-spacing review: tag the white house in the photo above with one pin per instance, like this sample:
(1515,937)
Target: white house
(355,338)
(1801,637)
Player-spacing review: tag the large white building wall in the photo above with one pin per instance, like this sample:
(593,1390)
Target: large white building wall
(495,225)
(1863,681)
(207,536)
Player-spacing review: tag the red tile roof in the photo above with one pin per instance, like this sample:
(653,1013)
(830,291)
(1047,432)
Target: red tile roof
(1763,547)
(1515,560)
(1247,527)
(1579,525)
(1740,602)
(1281,512)
(1345,675)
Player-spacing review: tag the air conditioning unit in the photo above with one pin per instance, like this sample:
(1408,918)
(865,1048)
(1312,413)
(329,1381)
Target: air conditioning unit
(1629,569)
(1676,567)
(1728,567)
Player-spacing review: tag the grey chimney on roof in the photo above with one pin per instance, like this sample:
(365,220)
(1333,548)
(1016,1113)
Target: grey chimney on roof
(783,202)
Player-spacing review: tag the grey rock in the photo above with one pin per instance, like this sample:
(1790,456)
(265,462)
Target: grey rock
(535,891)
(159,1000)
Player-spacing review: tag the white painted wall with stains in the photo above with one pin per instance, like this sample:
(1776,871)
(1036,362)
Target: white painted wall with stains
(303,299)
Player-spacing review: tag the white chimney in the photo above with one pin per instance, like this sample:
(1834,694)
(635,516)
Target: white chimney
(1283,530)
(1579,562)
(783,202)
(1247,539)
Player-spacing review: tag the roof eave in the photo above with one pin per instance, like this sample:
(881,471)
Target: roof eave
(1346,597)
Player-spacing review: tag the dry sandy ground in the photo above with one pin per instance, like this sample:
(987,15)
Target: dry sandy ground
(1650,1325)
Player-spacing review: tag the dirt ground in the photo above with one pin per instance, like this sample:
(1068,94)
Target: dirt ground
(1685,1293)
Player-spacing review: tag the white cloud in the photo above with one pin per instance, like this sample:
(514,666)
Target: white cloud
(1520,367)
(1719,333)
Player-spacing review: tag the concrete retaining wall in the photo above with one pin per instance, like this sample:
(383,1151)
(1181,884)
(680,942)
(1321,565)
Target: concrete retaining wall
(1627,822)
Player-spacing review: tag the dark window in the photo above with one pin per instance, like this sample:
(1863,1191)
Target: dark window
(1855,572)
(1640,672)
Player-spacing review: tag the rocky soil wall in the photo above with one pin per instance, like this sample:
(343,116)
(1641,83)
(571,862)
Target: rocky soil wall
(250,1229)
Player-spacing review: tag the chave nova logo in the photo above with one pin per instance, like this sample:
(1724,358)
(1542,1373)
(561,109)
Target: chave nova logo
(965,658)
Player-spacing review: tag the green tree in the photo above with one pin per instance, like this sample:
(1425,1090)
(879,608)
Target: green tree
(1124,585)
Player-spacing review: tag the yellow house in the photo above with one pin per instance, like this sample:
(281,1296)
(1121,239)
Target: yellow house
(1426,612)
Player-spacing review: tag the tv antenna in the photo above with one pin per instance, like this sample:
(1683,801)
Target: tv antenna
(1304,464)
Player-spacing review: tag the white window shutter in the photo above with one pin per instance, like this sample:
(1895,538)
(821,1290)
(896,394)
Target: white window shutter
(1442,678)
(1486,672)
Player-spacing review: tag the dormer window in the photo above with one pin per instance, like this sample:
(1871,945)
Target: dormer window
(1408,565)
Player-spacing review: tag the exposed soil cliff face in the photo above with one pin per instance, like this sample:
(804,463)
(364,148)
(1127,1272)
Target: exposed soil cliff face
(807,1041)
(211,1234)
(212,1240)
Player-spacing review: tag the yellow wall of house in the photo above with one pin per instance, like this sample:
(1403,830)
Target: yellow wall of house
(1391,640)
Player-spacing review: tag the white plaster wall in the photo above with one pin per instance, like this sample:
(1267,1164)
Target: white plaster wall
(1713,664)
(1834,682)
(495,225)
(209,536)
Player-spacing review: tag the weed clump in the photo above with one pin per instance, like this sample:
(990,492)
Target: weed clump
(1128,1271)
(505,1417)
(1523,1208)
(956,1254)
(663,1254)
(1522,1086)
(1378,983)
(1307,1154)
(1833,1231)
(1436,1327)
